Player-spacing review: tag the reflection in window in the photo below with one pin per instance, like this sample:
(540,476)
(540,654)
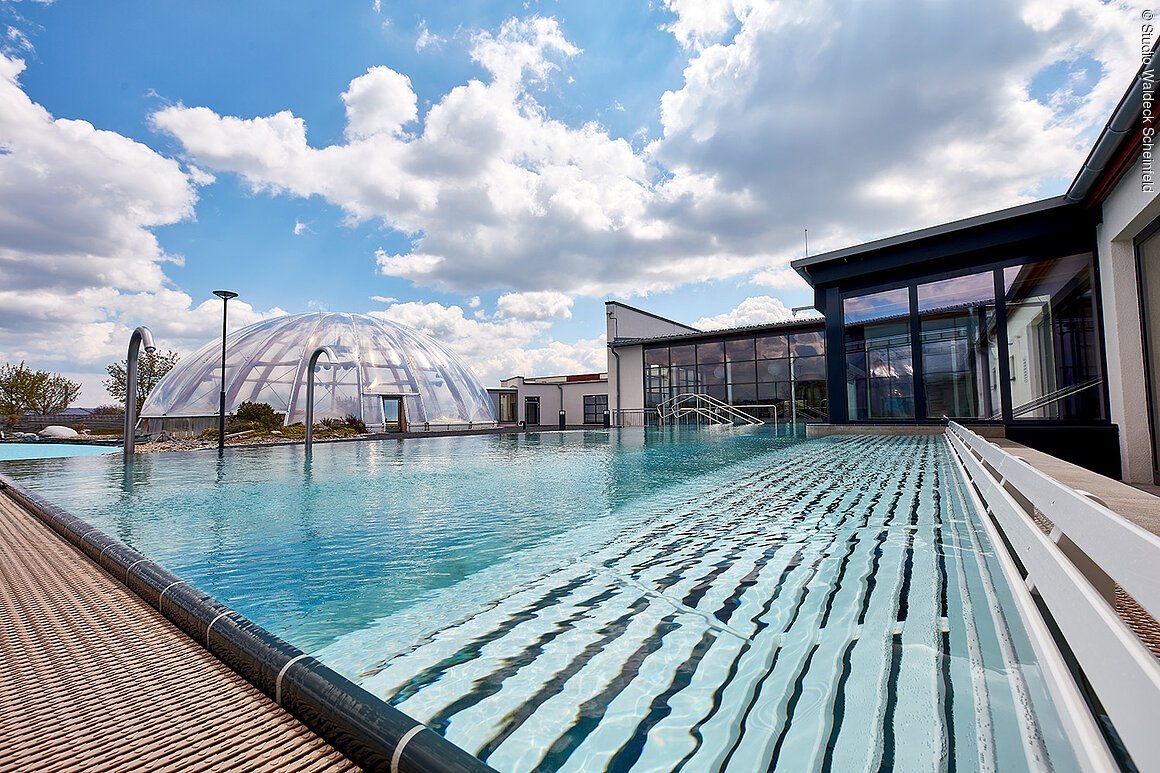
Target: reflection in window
(683,355)
(960,347)
(807,344)
(656,376)
(1051,339)
(879,362)
(769,347)
(713,351)
(739,350)
(890,304)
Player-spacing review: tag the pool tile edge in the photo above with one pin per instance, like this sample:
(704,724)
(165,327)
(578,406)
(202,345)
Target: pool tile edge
(364,728)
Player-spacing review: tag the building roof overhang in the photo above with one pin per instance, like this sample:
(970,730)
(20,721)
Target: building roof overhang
(1029,231)
(989,236)
(787,326)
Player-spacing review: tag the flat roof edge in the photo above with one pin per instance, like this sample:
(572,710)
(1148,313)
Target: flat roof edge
(650,314)
(944,229)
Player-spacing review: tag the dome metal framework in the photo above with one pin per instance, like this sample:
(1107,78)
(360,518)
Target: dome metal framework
(385,373)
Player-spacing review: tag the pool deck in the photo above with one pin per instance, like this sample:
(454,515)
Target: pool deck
(94,678)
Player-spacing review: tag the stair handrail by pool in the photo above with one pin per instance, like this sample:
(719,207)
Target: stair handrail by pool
(705,405)
(1073,572)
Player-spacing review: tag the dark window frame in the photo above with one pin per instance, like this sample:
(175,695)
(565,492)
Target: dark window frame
(598,405)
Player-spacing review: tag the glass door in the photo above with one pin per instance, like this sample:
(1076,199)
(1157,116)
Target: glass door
(531,411)
(393,418)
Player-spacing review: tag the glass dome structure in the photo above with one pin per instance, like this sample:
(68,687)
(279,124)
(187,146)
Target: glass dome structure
(385,373)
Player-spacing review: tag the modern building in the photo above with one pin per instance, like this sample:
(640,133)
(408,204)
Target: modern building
(386,374)
(767,371)
(1040,322)
(579,400)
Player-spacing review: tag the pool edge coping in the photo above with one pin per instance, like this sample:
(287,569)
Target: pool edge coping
(364,728)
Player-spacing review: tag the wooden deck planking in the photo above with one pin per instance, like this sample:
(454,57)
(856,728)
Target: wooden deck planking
(95,679)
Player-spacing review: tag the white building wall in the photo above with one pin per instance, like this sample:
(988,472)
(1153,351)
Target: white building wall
(1126,213)
(550,395)
(626,322)
(626,381)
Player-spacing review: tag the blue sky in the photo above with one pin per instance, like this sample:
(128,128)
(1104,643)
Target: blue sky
(490,172)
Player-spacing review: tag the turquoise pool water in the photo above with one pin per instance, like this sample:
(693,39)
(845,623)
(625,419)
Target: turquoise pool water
(681,600)
(41,450)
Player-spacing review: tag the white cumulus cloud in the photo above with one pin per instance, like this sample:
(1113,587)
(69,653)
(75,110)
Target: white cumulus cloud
(756,310)
(853,121)
(500,347)
(545,304)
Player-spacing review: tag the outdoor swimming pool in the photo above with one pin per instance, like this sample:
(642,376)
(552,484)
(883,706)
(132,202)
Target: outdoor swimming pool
(44,450)
(696,600)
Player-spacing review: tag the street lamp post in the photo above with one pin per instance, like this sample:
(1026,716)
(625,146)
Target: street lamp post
(225,295)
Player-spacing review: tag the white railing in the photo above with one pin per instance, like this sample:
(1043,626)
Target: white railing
(1074,571)
(704,408)
(631,417)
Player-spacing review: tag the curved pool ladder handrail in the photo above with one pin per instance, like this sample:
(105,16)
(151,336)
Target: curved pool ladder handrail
(140,336)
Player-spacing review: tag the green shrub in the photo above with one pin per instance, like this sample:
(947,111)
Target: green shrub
(294,431)
(355,423)
(254,416)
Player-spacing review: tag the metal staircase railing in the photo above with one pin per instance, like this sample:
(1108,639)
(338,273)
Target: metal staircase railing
(706,409)
(1049,398)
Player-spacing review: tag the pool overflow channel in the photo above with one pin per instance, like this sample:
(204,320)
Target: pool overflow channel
(370,733)
(848,608)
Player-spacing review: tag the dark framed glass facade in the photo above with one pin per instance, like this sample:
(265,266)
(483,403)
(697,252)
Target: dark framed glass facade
(594,408)
(761,373)
(1016,343)
(879,356)
(960,347)
(1052,342)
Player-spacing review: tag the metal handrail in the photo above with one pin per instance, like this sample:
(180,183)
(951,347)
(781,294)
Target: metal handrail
(1074,571)
(1056,396)
(676,405)
(1049,398)
(629,417)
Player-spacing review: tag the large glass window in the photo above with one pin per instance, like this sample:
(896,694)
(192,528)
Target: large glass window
(594,408)
(960,347)
(1052,343)
(879,362)
(752,373)
(656,376)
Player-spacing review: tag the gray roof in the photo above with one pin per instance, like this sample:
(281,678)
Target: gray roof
(802,265)
(771,327)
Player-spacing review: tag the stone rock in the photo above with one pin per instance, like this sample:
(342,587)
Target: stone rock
(56,431)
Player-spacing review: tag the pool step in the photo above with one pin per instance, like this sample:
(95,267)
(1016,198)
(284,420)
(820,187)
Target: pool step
(778,621)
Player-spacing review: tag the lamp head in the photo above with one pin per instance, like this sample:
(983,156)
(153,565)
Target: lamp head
(225,295)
